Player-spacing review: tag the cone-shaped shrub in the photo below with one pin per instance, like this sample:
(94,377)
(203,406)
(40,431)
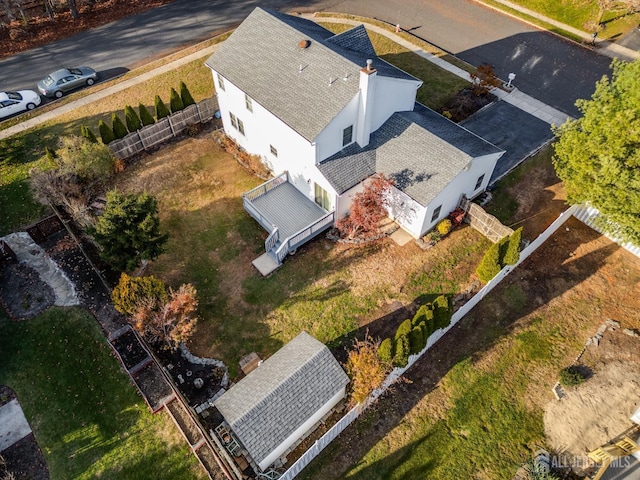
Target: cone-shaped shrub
(442,311)
(429,320)
(145,116)
(132,119)
(106,134)
(490,263)
(420,315)
(185,95)
(175,102)
(161,109)
(512,254)
(119,130)
(88,134)
(385,351)
(401,357)
(404,328)
(416,340)
(425,335)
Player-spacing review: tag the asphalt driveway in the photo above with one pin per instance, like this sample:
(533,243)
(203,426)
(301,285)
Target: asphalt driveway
(513,130)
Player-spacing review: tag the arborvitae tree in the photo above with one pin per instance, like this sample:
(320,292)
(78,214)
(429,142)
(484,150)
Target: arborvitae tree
(512,255)
(404,328)
(385,351)
(401,357)
(106,134)
(88,134)
(132,292)
(442,311)
(490,264)
(161,109)
(119,130)
(416,340)
(132,119)
(175,101)
(185,95)
(145,116)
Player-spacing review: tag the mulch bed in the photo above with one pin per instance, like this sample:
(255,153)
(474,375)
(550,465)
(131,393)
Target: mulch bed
(129,349)
(24,458)
(151,381)
(23,294)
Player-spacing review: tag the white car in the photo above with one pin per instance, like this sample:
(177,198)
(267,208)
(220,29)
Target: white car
(16,102)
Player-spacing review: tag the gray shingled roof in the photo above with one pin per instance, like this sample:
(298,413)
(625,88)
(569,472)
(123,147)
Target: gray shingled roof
(270,403)
(263,59)
(420,150)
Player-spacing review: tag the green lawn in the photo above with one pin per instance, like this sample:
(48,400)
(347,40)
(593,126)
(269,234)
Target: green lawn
(87,418)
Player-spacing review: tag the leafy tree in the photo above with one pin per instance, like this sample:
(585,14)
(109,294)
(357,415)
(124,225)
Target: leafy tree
(161,109)
(597,155)
(385,351)
(171,322)
(119,130)
(131,292)
(145,116)
(185,95)
(129,230)
(88,134)
(132,119)
(512,255)
(483,79)
(401,357)
(490,264)
(175,101)
(366,370)
(367,208)
(403,329)
(106,134)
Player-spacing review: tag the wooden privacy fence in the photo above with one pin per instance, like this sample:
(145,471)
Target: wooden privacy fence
(164,129)
(486,224)
(397,372)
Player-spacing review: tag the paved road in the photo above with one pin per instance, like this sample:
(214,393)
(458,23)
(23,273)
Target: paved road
(548,68)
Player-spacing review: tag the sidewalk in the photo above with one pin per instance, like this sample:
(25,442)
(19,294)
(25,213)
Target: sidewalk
(604,47)
(518,99)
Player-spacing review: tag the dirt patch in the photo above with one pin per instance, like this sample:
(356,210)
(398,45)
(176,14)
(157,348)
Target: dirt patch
(598,410)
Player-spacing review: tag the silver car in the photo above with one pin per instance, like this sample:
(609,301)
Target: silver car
(16,102)
(61,81)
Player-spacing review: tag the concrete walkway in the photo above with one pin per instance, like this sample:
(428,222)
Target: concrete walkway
(604,47)
(31,254)
(518,99)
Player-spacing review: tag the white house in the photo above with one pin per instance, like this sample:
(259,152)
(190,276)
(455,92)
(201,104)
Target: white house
(280,402)
(325,113)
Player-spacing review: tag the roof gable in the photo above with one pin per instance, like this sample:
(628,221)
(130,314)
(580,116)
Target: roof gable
(270,403)
(306,88)
(421,151)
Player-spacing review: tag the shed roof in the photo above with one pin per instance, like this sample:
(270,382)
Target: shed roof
(420,150)
(270,403)
(304,87)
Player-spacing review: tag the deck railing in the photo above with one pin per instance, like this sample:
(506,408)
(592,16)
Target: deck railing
(265,187)
(272,239)
(304,235)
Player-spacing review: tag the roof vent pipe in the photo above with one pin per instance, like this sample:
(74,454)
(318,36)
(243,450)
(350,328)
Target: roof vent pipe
(304,43)
(369,63)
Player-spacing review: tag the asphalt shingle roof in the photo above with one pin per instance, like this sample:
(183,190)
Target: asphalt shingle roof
(270,403)
(420,150)
(304,87)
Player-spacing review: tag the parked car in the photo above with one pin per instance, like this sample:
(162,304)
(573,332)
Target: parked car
(16,102)
(61,81)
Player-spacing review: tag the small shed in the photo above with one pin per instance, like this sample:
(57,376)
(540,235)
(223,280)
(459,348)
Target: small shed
(280,402)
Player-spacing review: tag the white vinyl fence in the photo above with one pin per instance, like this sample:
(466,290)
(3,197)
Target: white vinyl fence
(164,129)
(588,215)
(397,372)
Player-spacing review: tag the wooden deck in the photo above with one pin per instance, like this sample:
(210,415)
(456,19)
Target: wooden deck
(288,209)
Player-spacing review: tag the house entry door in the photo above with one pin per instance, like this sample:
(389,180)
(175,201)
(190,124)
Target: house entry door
(322,198)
